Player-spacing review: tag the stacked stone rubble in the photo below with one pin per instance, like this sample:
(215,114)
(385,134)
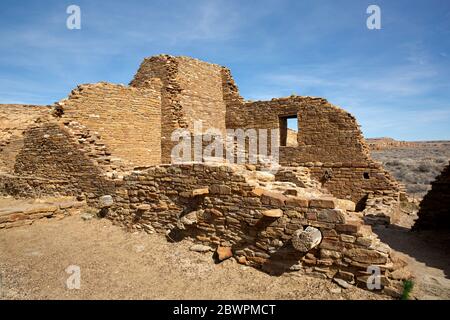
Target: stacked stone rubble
(51,153)
(14,119)
(226,206)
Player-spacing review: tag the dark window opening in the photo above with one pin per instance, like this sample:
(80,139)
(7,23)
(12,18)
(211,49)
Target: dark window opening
(361,204)
(366,175)
(288,131)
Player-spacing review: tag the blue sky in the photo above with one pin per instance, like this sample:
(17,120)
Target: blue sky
(396,80)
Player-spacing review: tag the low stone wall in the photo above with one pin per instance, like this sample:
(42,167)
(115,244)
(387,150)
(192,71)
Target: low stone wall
(253,218)
(32,187)
(382,207)
(355,181)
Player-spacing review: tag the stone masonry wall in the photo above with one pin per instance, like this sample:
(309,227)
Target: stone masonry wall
(221,206)
(434,212)
(356,182)
(201,94)
(232,98)
(329,142)
(191,91)
(16,214)
(127,119)
(14,119)
(325,133)
(164,68)
(51,154)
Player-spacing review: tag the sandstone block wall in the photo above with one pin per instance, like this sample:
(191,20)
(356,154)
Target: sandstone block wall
(51,153)
(127,119)
(14,119)
(31,186)
(201,94)
(164,68)
(221,206)
(329,141)
(325,133)
(191,91)
(356,182)
(434,212)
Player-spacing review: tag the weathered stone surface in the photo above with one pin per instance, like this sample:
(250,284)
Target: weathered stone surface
(346,276)
(220,189)
(323,203)
(347,238)
(342,283)
(200,248)
(87,216)
(224,253)
(305,240)
(190,218)
(202,191)
(395,292)
(106,201)
(273,213)
(216,212)
(348,227)
(331,215)
(364,241)
(144,207)
(242,260)
(257,192)
(401,274)
(297,202)
(347,205)
(264,176)
(324,254)
(273,198)
(366,256)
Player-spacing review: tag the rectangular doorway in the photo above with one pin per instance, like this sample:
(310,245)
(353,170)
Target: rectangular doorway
(288,131)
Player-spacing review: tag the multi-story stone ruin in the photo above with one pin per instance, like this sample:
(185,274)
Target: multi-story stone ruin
(110,145)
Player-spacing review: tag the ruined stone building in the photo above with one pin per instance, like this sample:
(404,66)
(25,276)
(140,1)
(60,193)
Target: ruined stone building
(115,140)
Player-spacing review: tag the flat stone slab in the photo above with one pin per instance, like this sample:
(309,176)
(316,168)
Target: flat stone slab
(16,212)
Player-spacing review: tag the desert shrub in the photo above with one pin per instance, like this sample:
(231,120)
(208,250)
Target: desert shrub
(408,285)
(393,163)
(416,168)
(417,188)
(423,167)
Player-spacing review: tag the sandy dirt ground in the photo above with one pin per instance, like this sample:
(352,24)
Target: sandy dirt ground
(428,258)
(115,264)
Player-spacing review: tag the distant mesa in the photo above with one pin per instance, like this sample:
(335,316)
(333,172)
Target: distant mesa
(390,143)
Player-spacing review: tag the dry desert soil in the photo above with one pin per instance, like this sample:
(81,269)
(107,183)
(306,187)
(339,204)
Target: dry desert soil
(116,264)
